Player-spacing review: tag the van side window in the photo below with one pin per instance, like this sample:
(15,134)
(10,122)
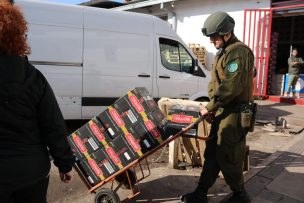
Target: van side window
(175,57)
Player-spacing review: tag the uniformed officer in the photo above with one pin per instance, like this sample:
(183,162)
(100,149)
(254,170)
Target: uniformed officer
(230,90)
(295,64)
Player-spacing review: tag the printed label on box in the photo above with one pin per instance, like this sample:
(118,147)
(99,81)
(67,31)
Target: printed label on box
(92,143)
(152,129)
(126,154)
(79,143)
(108,166)
(132,142)
(95,129)
(181,118)
(147,143)
(116,117)
(95,167)
(135,102)
(131,116)
(113,155)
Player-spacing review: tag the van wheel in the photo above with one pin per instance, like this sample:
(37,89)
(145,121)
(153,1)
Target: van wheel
(202,99)
(106,196)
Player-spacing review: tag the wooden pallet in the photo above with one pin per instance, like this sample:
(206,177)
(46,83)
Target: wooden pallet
(199,51)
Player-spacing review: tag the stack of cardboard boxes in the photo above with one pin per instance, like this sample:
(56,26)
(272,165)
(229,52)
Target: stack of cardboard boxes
(125,131)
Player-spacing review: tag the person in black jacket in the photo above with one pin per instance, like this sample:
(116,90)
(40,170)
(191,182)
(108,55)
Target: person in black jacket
(31,124)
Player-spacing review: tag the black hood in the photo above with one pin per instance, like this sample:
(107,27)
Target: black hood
(16,74)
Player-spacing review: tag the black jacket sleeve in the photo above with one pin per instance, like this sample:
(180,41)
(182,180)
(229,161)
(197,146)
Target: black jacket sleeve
(53,129)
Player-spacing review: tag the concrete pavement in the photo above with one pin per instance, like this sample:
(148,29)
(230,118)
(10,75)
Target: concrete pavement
(278,178)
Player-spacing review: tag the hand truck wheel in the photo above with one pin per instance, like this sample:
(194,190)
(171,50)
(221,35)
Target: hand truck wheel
(105,195)
(122,178)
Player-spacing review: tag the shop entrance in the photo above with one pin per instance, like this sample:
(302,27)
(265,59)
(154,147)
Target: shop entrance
(271,34)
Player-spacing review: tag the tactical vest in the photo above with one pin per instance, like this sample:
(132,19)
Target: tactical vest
(218,74)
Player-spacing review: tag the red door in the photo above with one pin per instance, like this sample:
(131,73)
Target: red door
(257,31)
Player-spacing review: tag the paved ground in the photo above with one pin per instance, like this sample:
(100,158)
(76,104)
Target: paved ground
(276,174)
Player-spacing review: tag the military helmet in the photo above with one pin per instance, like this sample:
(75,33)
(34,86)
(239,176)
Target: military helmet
(218,22)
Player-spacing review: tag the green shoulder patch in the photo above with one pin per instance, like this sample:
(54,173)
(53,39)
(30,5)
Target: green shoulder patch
(232,67)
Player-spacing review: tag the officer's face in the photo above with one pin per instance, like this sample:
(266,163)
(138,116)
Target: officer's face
(294,52)
(217,41)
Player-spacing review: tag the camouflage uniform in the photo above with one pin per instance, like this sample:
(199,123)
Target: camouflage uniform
(231,86)
(230,89)
(294,71)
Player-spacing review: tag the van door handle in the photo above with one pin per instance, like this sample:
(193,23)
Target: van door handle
(164,76)
(143,76)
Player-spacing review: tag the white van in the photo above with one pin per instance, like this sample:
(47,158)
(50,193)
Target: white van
(93,56)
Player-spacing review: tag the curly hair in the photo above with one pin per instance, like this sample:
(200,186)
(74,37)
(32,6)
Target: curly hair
(13,28)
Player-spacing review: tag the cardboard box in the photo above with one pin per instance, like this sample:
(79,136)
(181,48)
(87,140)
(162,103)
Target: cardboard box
(127,111)
(91,171)
(185,149)
(180,116)
(158,118)
(145,139)
(98,167)
(142,96)
(83,143)
(112,121)
(88,139)
(130,110)
(125,153)
(98,131)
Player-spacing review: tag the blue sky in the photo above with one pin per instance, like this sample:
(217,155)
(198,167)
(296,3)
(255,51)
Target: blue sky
(73,1)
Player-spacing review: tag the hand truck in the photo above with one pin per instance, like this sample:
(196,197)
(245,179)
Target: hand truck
(127,177)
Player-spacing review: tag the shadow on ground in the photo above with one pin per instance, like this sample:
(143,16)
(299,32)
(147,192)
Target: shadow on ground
(281,181)
(166,189)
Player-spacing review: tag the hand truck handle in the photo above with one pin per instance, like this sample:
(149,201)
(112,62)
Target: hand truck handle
(200,119)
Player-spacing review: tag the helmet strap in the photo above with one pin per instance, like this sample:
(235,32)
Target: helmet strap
(224,42)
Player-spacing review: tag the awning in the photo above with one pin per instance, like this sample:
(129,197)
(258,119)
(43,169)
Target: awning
(141,4)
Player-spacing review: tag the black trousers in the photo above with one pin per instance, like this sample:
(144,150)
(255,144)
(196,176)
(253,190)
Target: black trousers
(35,193)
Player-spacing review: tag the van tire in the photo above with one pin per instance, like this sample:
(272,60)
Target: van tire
(202,99)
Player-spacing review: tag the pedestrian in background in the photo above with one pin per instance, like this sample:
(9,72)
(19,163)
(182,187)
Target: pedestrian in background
(295,64)
(31,124)
(230,92)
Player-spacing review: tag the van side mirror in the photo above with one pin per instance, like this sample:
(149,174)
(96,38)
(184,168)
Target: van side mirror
(195,65)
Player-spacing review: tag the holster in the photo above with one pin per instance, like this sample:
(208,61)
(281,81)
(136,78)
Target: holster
(254,113)
(248,115)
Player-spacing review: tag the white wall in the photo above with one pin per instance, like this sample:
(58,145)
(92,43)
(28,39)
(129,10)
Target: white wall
(191,14)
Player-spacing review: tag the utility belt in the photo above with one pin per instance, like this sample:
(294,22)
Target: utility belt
(248,113)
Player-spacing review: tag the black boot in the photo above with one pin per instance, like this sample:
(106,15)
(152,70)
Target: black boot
(197,196)
(238,197)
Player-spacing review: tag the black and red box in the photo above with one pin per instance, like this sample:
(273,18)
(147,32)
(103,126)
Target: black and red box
(137,106)
(143,96)
(180,116)
(127,112)
(89,138)
(126,151)
(112,122)
(143,137)
(98,167)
